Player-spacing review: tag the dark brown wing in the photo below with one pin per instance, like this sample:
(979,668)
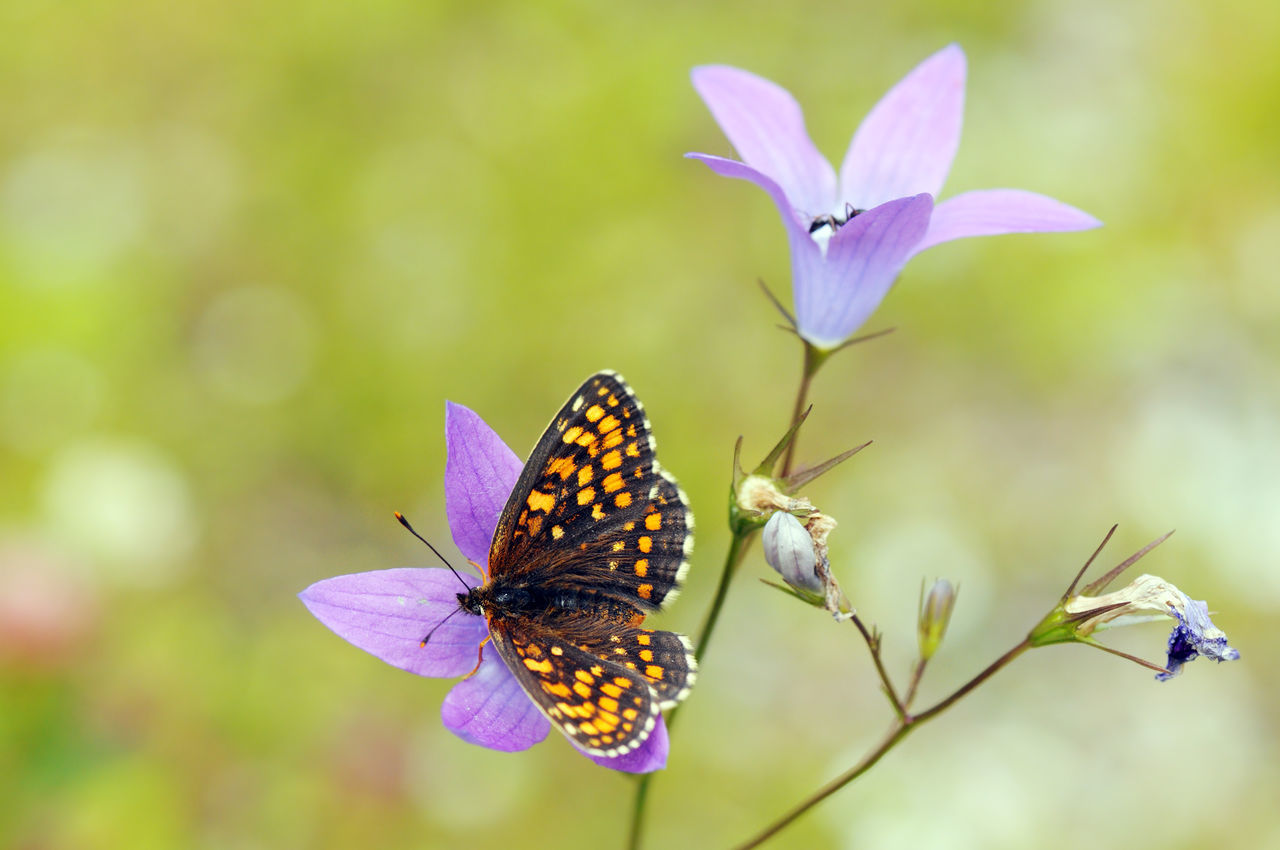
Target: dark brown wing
(593,510)
(601,683)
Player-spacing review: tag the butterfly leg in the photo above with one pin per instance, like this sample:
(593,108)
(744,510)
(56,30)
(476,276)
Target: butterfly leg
(479,658)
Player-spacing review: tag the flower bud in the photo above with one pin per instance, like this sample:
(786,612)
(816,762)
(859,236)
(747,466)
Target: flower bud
(789,549)
(935,614)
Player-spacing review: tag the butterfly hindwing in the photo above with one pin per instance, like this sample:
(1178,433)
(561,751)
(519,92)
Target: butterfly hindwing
(592,508)
(604,707)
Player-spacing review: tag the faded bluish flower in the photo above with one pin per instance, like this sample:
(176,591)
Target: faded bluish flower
(851,236)
(935,615)
(387,613)
(788,548)
(1149,598)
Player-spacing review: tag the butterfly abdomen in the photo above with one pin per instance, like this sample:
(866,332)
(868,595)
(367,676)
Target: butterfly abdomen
(541,602)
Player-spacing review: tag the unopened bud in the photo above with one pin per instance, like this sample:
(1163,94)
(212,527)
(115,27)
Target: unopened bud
(935,614)
(789,549)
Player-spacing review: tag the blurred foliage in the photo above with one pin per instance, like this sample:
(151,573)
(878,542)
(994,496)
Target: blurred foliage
(248,250)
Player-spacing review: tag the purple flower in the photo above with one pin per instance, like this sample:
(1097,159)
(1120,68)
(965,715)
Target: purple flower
(850,237)
(1147,598)
(388,612)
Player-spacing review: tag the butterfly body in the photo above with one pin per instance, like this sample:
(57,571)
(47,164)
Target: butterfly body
(594,536)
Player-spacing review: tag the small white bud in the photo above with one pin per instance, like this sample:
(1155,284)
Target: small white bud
(789,549)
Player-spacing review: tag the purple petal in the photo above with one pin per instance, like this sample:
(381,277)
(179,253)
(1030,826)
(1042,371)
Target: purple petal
(991,212)
(797,226)
(646,758)
(906,143)
(766,127)
(863,260)
(479,475)
(492,710)
(387,613)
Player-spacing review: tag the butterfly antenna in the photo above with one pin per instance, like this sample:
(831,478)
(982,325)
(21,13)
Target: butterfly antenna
(405,523)
(423,644)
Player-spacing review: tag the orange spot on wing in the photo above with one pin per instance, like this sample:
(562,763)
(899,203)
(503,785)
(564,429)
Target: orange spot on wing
(585,495)
(613,483)
(612,460)
(644,590)
(653,521)
(645,544)
(539,501)
(594,412)
(642,570)
(653,671)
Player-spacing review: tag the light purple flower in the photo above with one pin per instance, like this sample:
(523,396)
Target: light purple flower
(841,266)
(388,612)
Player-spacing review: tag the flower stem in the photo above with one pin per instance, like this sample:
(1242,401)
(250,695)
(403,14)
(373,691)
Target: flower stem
(738,545)
(902,725)
(813,359)
(873,644)
(916,675)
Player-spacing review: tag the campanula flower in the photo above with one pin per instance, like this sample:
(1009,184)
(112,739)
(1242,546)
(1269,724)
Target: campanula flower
(851,235)
(1149,598)
(387,613)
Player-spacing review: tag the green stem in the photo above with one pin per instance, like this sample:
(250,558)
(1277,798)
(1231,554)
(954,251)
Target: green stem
(813,359)
(737,550)
(901,727)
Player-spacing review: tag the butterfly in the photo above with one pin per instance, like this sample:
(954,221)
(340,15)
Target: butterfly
(595,536)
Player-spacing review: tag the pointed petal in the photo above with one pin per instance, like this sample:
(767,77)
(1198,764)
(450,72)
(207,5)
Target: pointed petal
(991,212)
(766,127)
(492,710)
(863,260)
(648,757)
(807,263)
(906,143)
(794,220)
(479,473)
(387,613)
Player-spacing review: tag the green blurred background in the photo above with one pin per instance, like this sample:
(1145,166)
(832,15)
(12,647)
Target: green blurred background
(247,251)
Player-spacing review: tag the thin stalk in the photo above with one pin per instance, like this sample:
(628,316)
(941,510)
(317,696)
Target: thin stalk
(895,734)
(813,359)
(738,545)
(873,644)
(916,675)
(902,725)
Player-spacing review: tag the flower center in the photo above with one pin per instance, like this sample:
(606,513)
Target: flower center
(833,222)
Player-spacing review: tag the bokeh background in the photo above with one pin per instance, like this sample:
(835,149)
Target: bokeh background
(247,251)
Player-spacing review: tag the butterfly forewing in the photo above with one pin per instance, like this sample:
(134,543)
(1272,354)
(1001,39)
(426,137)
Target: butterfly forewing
(593,486)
